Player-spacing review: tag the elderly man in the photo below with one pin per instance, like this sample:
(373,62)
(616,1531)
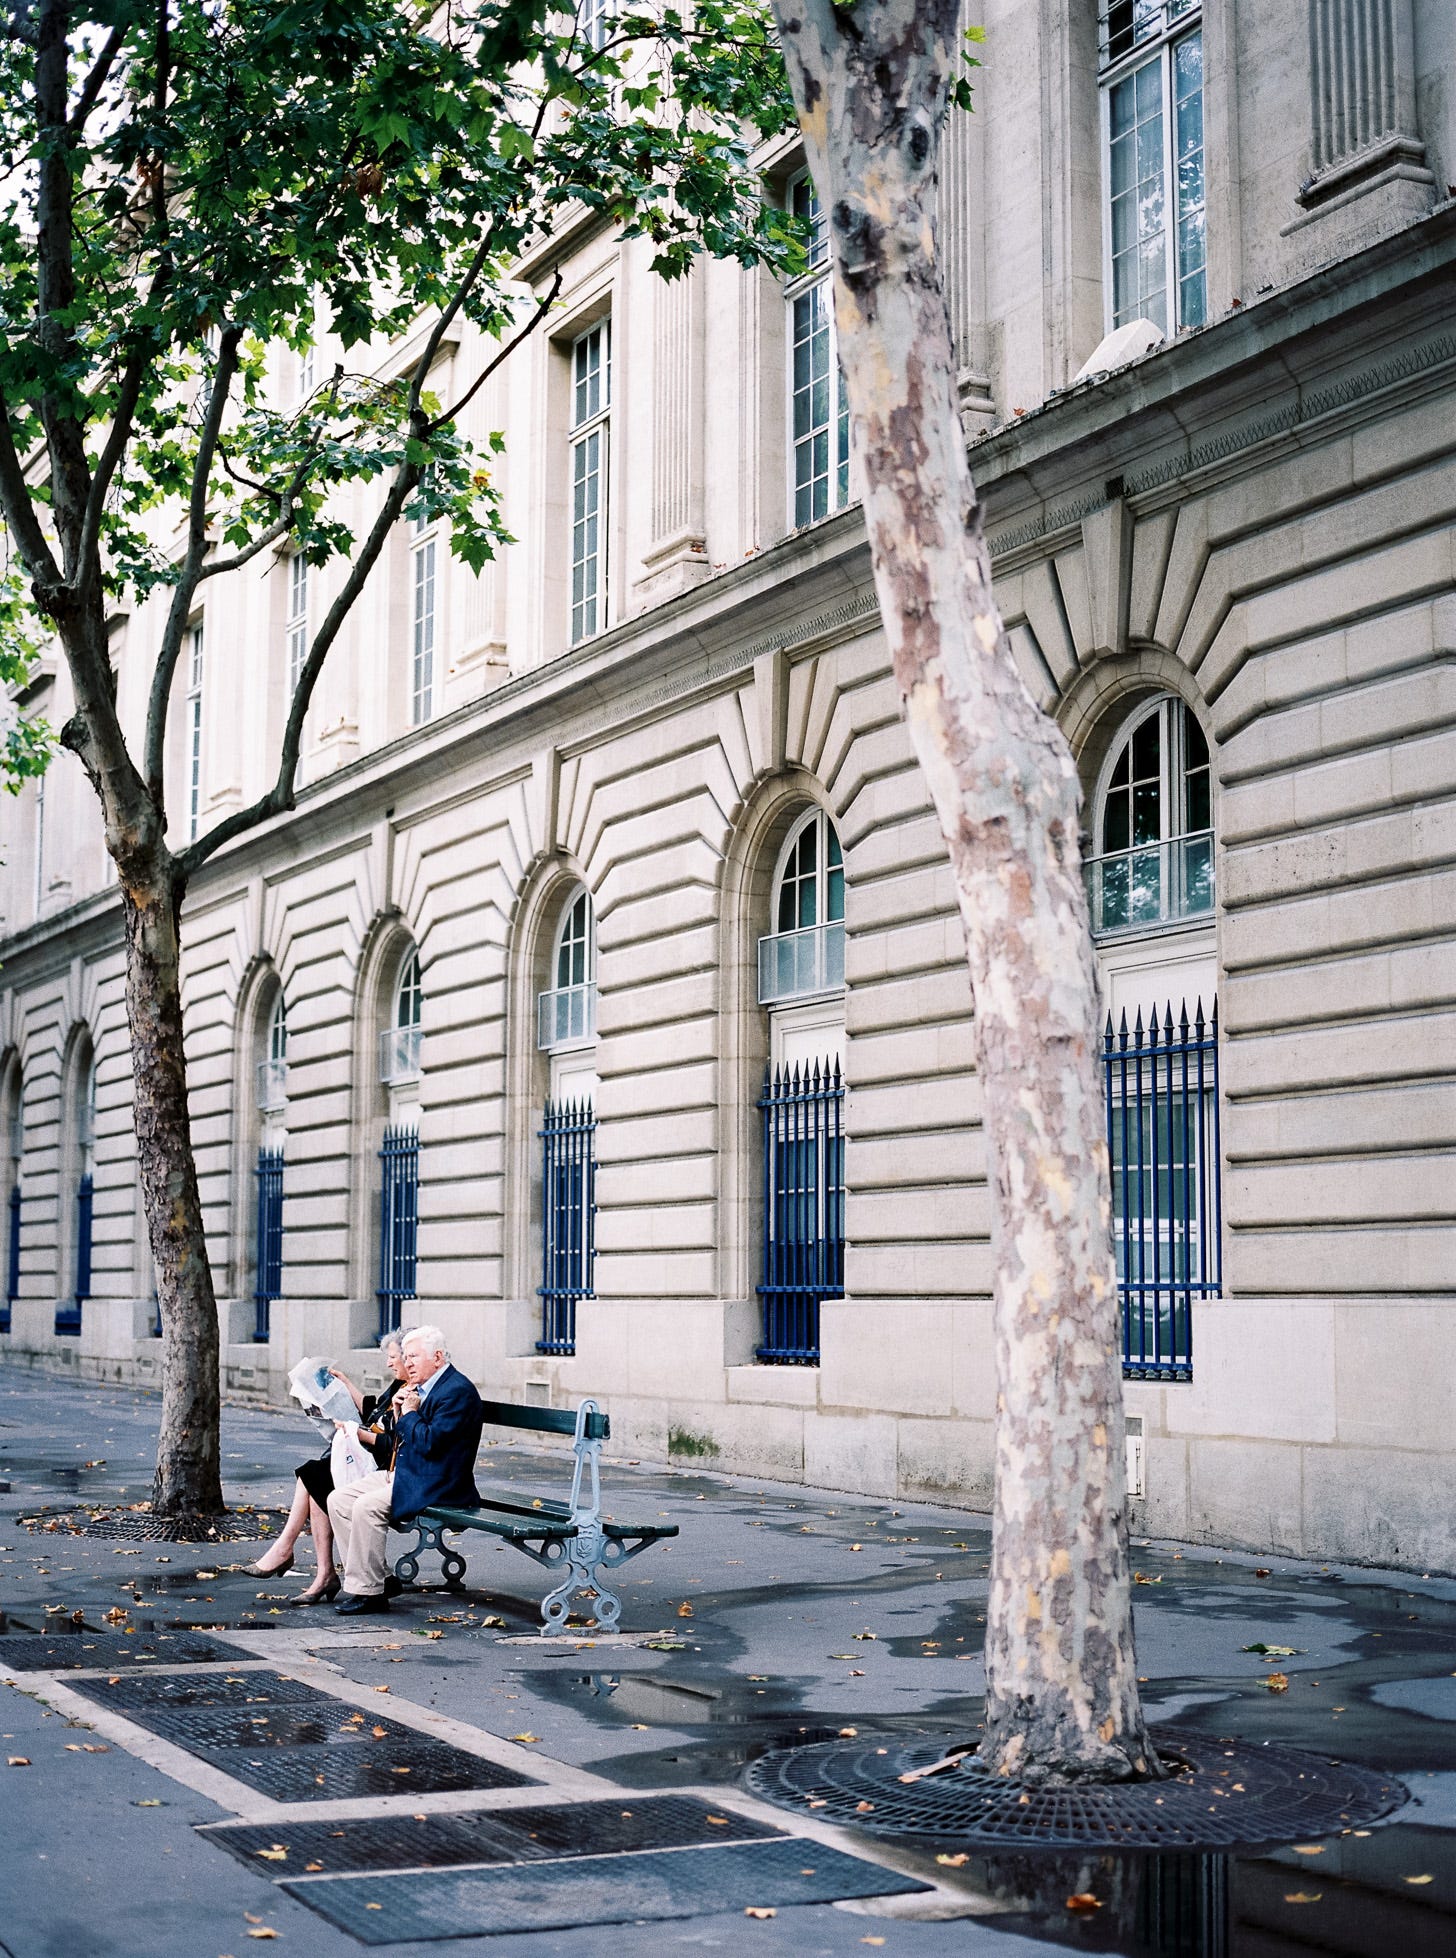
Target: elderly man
(436,1437)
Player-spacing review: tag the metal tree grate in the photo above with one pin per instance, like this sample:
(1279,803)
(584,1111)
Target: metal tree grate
(242,1528)
(416,1766)
(593,1890)
(517,1835)
(200,1689)
(1224,1792)
(318,1723)
(95,1652)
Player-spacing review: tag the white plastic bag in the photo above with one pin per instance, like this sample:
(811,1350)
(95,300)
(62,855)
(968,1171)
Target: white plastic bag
(349,1457)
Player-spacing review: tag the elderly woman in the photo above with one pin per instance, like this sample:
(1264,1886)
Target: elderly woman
(315,1481)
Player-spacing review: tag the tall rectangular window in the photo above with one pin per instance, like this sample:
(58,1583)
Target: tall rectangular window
(1154,216)
(194,730)
(296,629)
(818,409)
(591,400)
(594,22)
(422,620)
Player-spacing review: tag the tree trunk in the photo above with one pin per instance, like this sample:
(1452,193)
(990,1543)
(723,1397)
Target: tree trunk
(188,1479)
(871,82)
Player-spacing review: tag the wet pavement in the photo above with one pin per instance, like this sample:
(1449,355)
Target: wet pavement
(779,1614)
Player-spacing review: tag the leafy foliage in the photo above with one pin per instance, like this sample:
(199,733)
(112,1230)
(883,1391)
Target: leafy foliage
(191,186)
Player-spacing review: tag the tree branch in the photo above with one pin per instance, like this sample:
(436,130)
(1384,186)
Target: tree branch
(543,307)
(19,510)
(55,274)
(281,795)
(187,580)
(275,531)
(96,80)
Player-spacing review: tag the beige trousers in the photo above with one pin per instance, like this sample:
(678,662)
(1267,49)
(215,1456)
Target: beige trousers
(359,1513)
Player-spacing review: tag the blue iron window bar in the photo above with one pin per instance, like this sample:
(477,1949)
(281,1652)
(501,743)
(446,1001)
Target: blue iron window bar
(12,1268)
(68,1314)
(568,1220)
(803,1206)
(268,1255)
(1167,1211)
(399,1220)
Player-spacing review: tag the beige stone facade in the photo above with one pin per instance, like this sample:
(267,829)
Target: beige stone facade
(1256,519)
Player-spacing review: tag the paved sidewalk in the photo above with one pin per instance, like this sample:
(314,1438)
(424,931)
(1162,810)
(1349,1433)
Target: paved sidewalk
(784,1611)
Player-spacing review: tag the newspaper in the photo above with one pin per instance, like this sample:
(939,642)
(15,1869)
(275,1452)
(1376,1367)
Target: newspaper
(313,1386)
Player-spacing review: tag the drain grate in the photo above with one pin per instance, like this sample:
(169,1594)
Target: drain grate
(241,1528)
(417,1766)
(606,1890)
(95,1652)
(165,1689)
(1227,1792)
(517,1835)
(320,1722)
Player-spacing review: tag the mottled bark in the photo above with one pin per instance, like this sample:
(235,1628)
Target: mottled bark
(871,81)
(188,1478)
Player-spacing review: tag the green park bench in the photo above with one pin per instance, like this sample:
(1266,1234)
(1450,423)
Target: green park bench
(571,1539)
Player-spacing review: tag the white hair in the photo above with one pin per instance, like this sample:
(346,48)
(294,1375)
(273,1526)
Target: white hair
(430,1337)
(395,1338)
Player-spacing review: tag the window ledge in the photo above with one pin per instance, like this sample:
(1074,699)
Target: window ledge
(774,1386)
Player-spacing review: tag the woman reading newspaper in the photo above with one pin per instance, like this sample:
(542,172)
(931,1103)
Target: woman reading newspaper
(356,1447)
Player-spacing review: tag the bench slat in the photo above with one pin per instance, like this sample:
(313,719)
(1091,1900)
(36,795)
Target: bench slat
(544,1420)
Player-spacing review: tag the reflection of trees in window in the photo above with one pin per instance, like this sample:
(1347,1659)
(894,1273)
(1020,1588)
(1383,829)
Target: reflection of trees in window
(1154,833)
(819,407)
(1152,88)
(805,952)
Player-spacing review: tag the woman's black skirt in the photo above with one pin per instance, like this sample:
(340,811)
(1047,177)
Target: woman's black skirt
(317,1477)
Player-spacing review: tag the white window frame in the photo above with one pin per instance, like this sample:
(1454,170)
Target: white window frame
(594,22)
(424,617)
(402,1039)
(295,628)
(272,1072)
(590,434)
(817,279)
(566,1010)
(1161,26)
(1177,868)
(805,961)
(194,729)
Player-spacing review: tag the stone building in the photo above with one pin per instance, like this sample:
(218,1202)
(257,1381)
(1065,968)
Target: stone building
(604,999)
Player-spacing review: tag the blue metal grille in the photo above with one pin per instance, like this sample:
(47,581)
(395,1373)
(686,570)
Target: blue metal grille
(399,1220)
(568,1219)
(68,1314)
(268,1253)
(12,1269)
(1167,1213)
(803,1205)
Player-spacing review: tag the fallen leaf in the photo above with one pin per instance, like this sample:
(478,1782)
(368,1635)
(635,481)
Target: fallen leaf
(872,1940)
(1277,1682)
(863,1808)
(1261,1573)
(73,1747)
(250,1917)
(263,1932)
(718,1821)
(1272,1651)
(426,1634)
(381,1689)
(759,1910)
(849,1733)
(1308,1849)
(380,1732)
(684,1610)
(856,1672)
(955,1862)
(1084,1900)
(374,1906)
(274,1855)
(856,1546)
(152,1801)
(1419,1879)
(1301,1896)
(18,1761)
(525,1739)
(1137,1578)
(313,1866)
(864,1635)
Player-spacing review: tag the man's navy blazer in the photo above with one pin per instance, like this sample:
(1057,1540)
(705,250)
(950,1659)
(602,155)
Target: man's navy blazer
(435,1461)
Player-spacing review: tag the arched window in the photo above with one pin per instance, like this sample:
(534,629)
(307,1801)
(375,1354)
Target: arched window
(804,954)
(1153,834)
(567,1009)
(82,1153)
(400,1042)
(272,1068)
(14,1118)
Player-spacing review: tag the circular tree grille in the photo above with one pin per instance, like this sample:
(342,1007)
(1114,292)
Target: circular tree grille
(141,1528)
(1221,1792)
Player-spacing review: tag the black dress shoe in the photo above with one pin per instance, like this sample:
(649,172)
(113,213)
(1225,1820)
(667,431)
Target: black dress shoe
(350,1606)
(393,1585)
